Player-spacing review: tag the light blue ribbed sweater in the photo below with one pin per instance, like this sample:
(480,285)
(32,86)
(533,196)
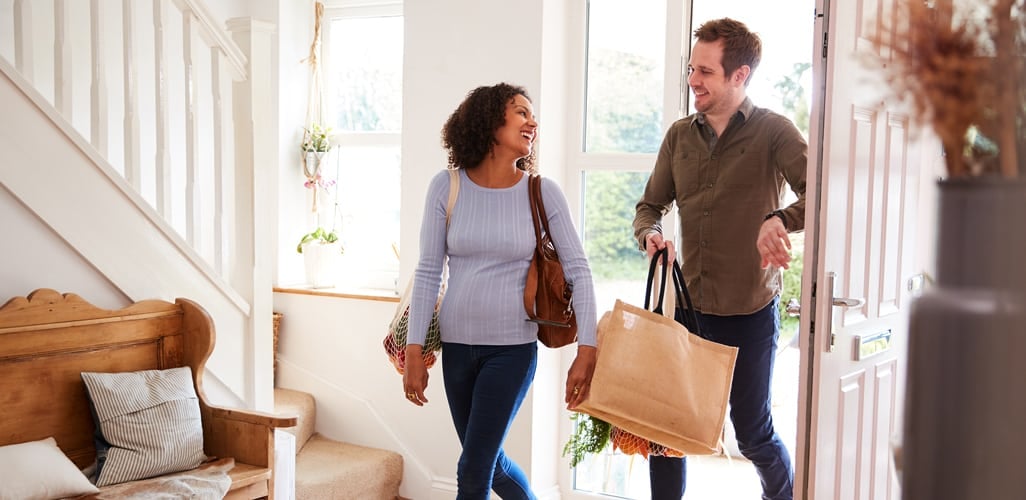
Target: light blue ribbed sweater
(490,242)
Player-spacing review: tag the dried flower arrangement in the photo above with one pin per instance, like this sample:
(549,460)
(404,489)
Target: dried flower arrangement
(960,65)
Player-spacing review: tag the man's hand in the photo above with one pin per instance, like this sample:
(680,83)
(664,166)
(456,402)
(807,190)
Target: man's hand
(654,242)
(773,244)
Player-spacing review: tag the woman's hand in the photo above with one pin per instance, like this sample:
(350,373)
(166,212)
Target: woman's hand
(415,375)
(578,379)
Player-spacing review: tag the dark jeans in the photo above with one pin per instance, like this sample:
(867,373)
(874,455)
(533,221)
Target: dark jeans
(485,386)
(755,336)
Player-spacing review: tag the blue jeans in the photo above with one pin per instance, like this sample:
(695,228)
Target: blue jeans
(755,336)
(485,386)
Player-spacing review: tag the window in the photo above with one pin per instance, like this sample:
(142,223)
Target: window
(634,88)
(363,58)
(625,76)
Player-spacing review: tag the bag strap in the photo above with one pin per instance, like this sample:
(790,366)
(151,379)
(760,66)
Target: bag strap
(454,191)
(680,289)
(541,223)
(652,265)
(538,215)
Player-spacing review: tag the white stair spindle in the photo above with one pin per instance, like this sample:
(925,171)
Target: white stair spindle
(62,63)
(162,127)
(192,191)
(131,134)
(98,129)
(23,50)
(221,85)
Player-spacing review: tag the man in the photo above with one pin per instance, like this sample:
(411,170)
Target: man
(725,168)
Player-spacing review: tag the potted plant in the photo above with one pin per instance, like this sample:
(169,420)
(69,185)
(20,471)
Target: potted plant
(321,250)
(316,143)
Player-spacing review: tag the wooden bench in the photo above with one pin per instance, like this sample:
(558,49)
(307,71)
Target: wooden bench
(48,339)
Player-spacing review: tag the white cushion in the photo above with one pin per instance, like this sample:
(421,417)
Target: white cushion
(38,470)
(150,419)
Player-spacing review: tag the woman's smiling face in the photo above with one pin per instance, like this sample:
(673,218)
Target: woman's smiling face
(520,128)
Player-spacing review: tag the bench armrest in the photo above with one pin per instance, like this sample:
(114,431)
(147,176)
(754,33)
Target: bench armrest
(254,417)
(246,435)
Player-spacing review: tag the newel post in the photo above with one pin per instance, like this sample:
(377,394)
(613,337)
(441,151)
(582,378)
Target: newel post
(256,224)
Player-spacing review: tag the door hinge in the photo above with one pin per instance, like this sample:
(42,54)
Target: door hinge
(826,43)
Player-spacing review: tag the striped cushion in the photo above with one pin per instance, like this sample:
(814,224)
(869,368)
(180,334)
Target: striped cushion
(151,421)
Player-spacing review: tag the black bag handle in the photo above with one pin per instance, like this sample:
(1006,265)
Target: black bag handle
(688,316)
(652,265)
(682,290)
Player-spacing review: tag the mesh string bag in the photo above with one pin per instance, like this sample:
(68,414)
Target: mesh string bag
(398,330)
(629,444)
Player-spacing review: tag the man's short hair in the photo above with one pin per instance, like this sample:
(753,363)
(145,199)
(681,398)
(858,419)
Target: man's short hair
(740,46)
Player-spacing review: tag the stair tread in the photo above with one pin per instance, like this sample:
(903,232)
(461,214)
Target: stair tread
(327,468)
(331,469)
(302,404)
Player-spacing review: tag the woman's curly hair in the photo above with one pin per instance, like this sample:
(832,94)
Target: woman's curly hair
(469,133)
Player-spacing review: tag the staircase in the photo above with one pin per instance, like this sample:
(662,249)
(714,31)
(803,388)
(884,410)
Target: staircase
(146,127)
(334,470)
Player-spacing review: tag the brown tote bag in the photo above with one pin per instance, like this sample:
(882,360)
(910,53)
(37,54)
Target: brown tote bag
(657,380)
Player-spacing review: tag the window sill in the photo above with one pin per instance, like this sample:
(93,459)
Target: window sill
(344,293)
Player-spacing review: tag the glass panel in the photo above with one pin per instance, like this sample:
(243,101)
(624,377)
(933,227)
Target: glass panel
(619,269)
(367,78)
(625,76)
(618,266)
(369,218)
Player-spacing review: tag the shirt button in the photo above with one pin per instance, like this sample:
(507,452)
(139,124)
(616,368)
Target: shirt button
(705,213)
(705,244)
(709,185)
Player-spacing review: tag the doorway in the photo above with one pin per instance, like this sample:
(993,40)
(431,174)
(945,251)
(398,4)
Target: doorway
(783,83)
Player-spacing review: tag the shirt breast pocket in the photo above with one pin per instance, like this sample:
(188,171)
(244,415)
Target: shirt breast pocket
(689,175)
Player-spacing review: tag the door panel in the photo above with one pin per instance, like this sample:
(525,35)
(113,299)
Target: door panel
(864,196)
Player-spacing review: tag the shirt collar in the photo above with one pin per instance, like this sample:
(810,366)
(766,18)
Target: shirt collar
(745,111)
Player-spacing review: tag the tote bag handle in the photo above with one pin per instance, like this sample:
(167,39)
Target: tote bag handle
(680,290)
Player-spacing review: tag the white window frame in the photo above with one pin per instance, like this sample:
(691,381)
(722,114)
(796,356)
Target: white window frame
(354,9)
(675,103)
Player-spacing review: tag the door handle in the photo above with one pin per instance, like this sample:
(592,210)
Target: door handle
(793,307)
(846,302)
(837,302)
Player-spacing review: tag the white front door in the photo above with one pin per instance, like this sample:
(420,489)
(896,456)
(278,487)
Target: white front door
(862,217)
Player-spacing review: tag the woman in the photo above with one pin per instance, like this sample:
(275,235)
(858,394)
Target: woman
(490,351)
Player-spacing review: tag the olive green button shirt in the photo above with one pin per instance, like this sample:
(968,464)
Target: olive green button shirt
(724,188)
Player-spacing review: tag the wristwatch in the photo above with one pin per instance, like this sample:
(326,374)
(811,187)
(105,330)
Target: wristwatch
(776,213)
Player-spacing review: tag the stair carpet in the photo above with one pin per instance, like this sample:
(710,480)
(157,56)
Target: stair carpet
(335,470)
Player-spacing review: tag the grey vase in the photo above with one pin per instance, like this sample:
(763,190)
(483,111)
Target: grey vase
(965,402)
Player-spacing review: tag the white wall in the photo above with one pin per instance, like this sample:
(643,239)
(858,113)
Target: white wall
(295,32)
(34,257)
